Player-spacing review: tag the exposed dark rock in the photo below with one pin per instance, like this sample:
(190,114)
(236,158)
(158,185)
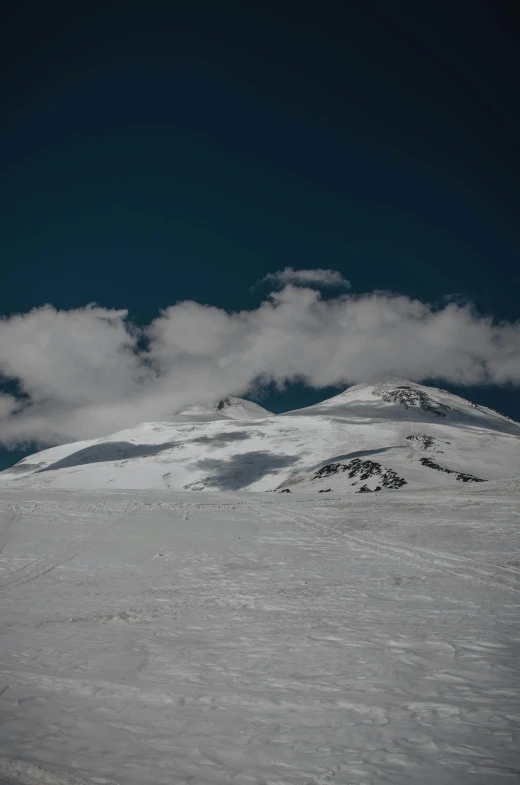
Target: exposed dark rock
(325,490)
(362,470)
(422,440)
(412,398)
(461,476)
(331,468)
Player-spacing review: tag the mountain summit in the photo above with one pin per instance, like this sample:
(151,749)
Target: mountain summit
(388,435)
(400,399)
(230,408)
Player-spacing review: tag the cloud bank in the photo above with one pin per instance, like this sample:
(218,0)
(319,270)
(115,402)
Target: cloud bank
(88,372)
(317,277)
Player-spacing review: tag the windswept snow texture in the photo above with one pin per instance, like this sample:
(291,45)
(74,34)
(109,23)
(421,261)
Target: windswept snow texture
(165,638)
(381,429)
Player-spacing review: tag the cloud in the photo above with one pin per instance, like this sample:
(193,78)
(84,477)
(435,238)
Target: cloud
(317,277)
(8,405)
(88,372)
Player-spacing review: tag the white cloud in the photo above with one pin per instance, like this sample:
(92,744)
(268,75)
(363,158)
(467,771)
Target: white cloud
(8,405)
(84,372)
(317,277)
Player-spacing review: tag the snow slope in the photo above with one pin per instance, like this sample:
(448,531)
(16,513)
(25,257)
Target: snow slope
(385,436)
(164,638)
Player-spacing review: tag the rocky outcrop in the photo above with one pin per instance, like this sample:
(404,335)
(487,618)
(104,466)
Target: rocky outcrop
(461,476)
(412,398)
(362,470)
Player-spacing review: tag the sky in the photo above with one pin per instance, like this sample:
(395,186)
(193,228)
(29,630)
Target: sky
(162,153)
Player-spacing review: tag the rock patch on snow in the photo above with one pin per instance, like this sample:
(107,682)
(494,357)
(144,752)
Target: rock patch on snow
(461,476)
(363,470)
(412,397)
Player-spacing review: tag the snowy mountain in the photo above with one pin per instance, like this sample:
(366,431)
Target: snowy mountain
(297,637)
(385,436)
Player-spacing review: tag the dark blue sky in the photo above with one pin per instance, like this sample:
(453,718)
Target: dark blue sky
(158,151)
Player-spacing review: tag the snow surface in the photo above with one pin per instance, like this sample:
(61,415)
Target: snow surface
(419,435)
(159,638)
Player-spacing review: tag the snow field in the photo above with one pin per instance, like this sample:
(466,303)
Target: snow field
(160,638)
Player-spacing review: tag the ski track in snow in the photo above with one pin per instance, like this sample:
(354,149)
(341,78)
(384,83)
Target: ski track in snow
(52,559)
(9,521)
(425,559)
(153,638)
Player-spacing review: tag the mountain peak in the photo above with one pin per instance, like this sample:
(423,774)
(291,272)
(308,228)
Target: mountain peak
(229,407)
(395,398)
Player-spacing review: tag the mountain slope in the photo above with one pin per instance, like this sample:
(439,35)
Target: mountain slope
(385,436)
